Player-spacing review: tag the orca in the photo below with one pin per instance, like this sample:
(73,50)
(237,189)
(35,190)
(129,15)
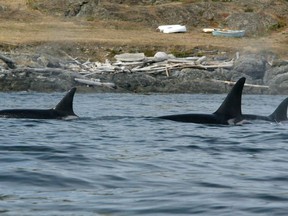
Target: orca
(279,115)
(63,110)
(229,112)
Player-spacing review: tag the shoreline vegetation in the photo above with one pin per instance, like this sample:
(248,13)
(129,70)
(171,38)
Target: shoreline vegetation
(41,50)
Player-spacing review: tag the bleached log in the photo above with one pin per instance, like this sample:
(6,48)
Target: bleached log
(147,69)
(192,58)
(119,63)
(96,83)
(10,63)
(200,60)
(176,60)
(130,57)
(214,66)
(246,84)
(167,72)
(219,65)
(70,57)
(200,66)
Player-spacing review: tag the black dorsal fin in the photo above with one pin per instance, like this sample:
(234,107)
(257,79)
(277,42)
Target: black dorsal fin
(231,106)
(280,114)
(66,104)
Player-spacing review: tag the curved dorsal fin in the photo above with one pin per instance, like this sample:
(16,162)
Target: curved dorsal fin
(280,113)
(66,104)
(231,106)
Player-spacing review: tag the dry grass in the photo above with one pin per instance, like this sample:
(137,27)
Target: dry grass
(14,3)
(28,27)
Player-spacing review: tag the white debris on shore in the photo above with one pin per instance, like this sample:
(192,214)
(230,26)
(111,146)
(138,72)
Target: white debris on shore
(160,63)
(138,62)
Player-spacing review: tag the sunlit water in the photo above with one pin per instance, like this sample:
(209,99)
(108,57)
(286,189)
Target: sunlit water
(119,160)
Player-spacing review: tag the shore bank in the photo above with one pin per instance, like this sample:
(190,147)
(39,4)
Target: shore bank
(54,45)
(265,73)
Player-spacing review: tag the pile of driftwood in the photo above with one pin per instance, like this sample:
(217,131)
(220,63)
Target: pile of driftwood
(161,63)
(138,62)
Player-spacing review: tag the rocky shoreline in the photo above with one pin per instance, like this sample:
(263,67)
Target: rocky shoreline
(36,33)
(265,74)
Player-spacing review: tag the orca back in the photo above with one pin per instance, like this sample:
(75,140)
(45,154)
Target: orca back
(229,111)
(280,114)
(63,110)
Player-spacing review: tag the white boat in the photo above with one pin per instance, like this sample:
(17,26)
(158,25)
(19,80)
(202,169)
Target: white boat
(167,29)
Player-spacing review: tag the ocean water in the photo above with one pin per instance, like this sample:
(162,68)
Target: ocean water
(117,159)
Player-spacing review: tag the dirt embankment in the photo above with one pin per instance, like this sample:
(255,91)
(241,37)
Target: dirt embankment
(99,29)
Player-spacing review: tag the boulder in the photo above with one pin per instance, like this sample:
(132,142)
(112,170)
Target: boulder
(274,72)
(251,65)
(279,84)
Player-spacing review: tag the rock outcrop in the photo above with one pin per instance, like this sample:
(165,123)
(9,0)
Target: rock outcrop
(254,17)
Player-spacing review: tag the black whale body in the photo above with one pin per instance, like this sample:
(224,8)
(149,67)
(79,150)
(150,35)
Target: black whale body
(279,115)
(63,110)
(229,111)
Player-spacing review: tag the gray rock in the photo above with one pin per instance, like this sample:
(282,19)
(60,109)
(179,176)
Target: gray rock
(161,56)
(251,65)
(274,72)
(252,23)
(279,84)
(190,74)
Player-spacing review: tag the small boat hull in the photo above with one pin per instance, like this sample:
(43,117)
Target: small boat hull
(229,33)
(167,29)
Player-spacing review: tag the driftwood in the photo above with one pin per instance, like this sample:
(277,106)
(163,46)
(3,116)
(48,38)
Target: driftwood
(126,63)
(73,59)
(160,63)
(185,64)
(200,60)
(96,83)
(130,57)
(10,63)
(246,84)
(167,65)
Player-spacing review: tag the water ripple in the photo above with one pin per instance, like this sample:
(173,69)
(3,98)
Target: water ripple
(118,159)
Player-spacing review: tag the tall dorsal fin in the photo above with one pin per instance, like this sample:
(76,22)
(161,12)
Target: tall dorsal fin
(280,114)
(231,106)
(66,104)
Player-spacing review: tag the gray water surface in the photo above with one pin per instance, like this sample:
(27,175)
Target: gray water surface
(119,160)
